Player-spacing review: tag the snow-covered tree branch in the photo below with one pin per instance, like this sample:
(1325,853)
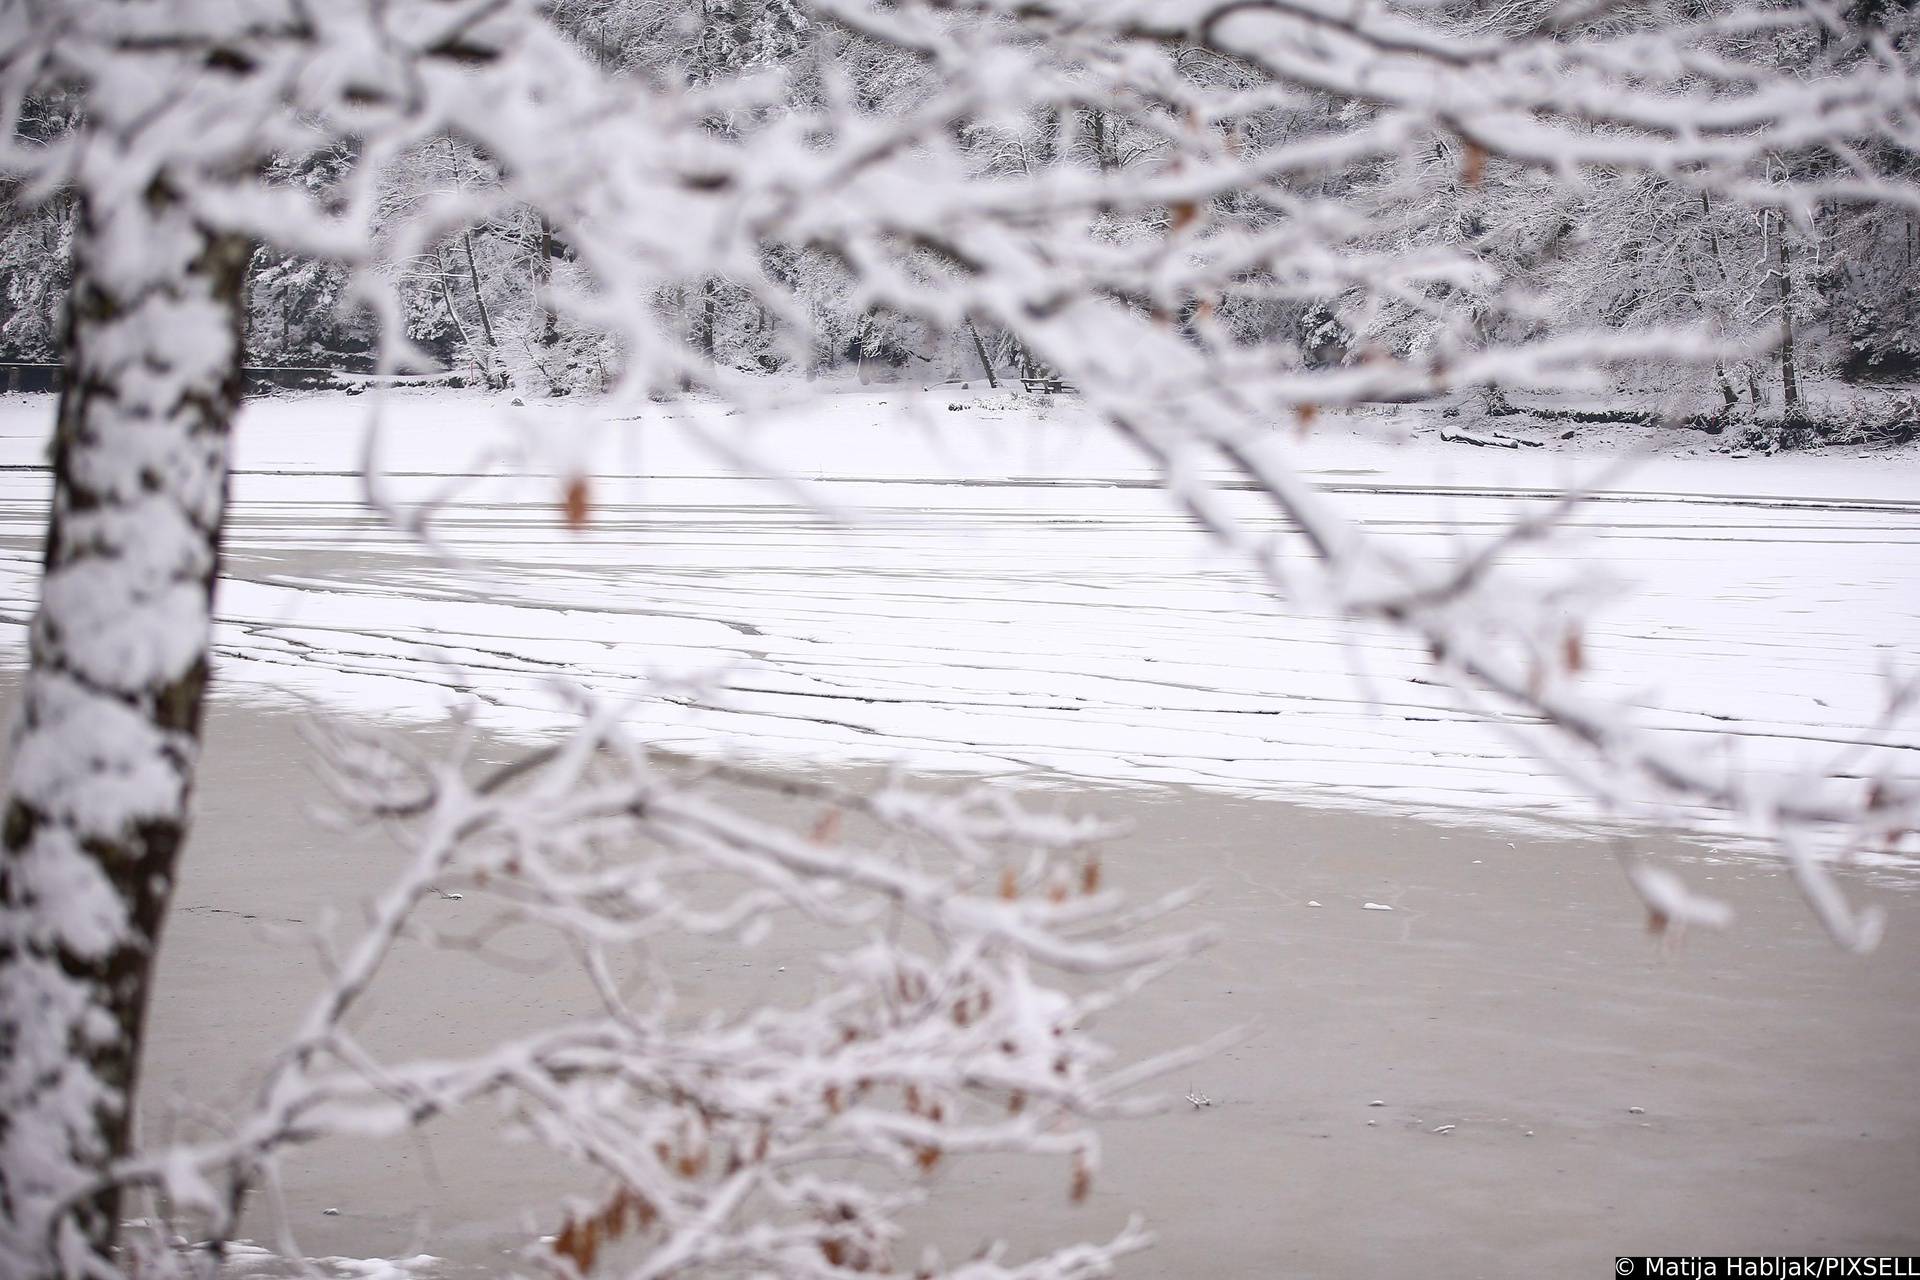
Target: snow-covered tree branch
(1216,221)
(720,1139)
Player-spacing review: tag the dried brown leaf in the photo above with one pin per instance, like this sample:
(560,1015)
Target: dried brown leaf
(575,502)
(1473,163)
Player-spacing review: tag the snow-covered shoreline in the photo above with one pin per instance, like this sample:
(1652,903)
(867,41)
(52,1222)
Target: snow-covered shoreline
(1016,596)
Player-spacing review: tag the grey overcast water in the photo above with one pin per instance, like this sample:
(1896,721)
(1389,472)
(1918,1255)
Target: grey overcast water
(1747,1092)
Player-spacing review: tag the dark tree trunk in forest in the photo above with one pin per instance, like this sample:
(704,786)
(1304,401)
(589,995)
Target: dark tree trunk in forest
(482,361)
(490,370)
(107,734)
(549,319)
(1102,158)
(709,319)
(546,335)
(1727,393)
(980,349)
(479,298)
(1789,381)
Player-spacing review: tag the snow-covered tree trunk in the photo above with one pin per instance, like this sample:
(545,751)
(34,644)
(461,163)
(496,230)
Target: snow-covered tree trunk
(107,733)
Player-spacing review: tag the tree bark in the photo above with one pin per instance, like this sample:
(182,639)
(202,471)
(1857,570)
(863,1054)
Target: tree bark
(1727,393)
(709,319)
(980,349)
(479,298)
(489,364)
(107,735)
(547,328)
(543,274)
(1100,156)
(1789,380)
(481,363)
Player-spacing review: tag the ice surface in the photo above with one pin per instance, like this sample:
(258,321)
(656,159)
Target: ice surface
(1015,594)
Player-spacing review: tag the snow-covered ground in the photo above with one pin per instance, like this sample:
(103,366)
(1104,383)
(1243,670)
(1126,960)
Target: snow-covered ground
(1014,595)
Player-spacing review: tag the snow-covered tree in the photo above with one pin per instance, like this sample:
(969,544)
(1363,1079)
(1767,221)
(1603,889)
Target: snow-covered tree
(35,226)
(1204,215)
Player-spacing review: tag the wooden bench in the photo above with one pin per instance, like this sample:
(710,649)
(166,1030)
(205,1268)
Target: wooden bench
(1047,386)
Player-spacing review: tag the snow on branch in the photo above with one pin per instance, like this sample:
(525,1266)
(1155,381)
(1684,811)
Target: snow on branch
(1217,219)
(784,1138)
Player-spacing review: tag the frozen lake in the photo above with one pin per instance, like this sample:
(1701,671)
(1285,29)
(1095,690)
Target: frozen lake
(1015,594)
(1017,597)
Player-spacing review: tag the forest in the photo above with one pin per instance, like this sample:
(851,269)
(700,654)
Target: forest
(1821,292)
